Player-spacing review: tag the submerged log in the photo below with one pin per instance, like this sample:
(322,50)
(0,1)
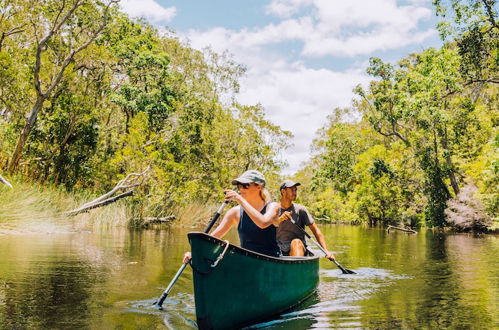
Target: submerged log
(151,220)
(402,229)
(5,182)
(147,222)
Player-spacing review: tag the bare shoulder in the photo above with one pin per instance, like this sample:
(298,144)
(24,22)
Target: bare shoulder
(233,213)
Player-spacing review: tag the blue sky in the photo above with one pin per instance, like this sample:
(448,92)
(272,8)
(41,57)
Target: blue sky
(303,57)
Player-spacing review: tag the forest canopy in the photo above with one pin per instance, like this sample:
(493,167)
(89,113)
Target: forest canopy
(89,97)
(428,129)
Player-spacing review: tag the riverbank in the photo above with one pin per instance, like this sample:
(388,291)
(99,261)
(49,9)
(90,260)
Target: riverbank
(30,207)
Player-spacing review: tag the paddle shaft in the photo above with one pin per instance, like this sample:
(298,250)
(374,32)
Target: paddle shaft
(343,270)
(309,237)
(165,293)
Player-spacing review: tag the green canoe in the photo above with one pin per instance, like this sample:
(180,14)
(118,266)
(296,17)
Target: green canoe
(245,287)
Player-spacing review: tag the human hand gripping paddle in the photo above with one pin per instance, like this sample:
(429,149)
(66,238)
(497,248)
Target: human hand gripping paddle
(159,302)
(343,270)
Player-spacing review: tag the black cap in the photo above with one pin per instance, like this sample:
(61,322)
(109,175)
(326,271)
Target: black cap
(289,184)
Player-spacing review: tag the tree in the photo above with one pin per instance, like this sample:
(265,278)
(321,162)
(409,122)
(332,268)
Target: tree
(417,104)
(65,30)
(473,25)
(339,144)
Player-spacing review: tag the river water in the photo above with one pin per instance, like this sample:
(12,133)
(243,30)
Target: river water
(109,279)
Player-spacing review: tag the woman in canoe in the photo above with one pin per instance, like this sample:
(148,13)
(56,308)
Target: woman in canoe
(256,217)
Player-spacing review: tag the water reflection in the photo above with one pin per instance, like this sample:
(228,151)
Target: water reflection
(110,279)
(47,295)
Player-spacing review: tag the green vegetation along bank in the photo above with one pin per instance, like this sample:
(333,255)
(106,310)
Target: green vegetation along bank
(93,102)
(425,149)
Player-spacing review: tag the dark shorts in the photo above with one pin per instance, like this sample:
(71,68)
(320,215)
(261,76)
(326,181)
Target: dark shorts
(307,252)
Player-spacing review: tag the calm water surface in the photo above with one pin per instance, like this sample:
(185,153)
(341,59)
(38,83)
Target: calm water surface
(109,279)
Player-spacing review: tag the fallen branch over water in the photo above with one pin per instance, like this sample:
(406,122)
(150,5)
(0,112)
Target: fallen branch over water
(402,229)
(129,183)
(5,182)
(99,204)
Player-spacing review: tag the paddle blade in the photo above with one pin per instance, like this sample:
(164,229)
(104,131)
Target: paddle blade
(344,270)
(348,271)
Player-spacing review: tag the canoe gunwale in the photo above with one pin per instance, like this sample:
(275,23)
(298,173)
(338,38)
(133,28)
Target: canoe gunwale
(256,255)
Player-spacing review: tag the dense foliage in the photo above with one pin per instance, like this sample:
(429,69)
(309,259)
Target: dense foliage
(428,128)
(88,96)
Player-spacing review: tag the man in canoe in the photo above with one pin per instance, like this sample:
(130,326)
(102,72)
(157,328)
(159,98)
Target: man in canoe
(256,217)
(291,239)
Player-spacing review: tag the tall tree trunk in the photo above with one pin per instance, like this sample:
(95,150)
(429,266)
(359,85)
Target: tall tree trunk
(450,165)
(55,27)
(28,127)
(452,176)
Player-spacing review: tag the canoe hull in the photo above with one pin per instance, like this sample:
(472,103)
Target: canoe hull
(245,287)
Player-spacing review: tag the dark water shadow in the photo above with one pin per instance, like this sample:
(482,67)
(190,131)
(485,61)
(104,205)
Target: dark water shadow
(50,296)
(298,317)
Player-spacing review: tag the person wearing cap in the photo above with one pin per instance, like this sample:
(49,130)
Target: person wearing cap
(291,240)
(256,217)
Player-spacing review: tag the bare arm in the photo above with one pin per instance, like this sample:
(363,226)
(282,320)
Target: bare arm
(230,219)
(320,238)
(270,217)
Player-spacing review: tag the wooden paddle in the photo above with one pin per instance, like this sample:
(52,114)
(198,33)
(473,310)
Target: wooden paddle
(159,302)
(343,270)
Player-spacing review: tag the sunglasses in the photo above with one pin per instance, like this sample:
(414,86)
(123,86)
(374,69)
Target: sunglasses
(243,185)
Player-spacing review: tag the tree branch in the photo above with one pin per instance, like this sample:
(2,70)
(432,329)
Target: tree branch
(402,229)
(394,133)
(17,29)
(129,182)
(71,55)
(5,182)
(44,41)
(103,203)
(490,13)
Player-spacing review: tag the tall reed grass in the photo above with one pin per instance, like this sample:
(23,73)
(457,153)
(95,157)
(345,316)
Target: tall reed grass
(195,214)
(30,207)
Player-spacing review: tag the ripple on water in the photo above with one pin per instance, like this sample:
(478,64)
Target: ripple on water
(363,273)
(337,295)
(177,312)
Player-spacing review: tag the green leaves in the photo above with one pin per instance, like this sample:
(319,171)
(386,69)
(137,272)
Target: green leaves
(133,99)
(429,110)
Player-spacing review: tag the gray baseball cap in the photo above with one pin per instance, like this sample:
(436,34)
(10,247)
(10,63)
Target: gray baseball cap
(289,184)
(250,176)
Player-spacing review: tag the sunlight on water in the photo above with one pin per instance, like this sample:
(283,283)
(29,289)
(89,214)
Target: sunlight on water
(337,293)
(110,279)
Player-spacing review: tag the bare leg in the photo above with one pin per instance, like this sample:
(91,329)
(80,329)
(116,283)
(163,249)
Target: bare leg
(297,248)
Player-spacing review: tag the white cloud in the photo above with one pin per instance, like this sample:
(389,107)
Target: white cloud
(338,28)
(299,98)
(365,43)
(148,9)
(286,8)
